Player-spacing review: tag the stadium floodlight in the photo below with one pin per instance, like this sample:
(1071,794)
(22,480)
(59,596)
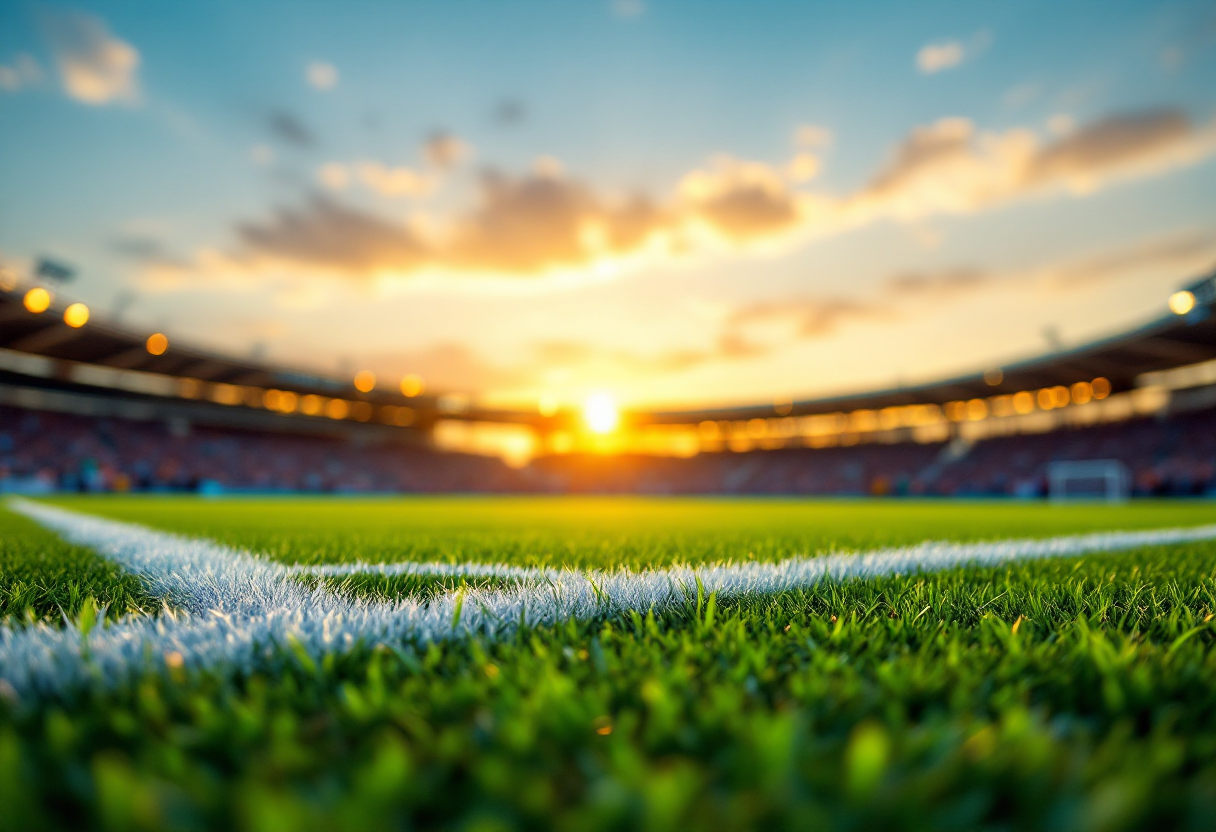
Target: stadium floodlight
(76,315)
(37,300)
(1087,480)
(412,385)
(1182,302)
(158,342)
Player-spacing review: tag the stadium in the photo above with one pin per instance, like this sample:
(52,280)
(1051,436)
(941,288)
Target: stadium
(362,473)
(95,408)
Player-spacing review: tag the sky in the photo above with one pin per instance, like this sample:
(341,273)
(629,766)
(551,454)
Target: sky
(673,203)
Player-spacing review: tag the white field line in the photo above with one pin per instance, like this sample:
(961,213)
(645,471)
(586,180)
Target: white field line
(237,608)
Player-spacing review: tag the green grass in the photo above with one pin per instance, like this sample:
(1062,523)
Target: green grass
(608,532)
(389,587)
(1069,694)
(43,578)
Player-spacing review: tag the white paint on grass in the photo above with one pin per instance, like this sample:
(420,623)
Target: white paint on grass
(236,609)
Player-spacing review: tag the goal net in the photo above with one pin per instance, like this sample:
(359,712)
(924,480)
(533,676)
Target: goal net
(1092,479)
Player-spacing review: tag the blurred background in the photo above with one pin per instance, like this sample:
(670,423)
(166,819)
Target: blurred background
(638,246)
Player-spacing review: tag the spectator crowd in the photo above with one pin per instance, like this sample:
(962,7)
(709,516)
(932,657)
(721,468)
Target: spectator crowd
(43,452)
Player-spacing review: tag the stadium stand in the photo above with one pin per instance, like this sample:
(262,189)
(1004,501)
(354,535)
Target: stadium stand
(41,452)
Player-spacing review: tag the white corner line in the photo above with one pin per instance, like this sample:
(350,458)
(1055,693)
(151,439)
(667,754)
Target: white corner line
(236,607)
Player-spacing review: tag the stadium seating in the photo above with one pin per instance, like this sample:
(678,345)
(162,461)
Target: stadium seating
(43,452)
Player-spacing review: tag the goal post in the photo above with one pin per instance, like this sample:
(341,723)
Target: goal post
(1089,479)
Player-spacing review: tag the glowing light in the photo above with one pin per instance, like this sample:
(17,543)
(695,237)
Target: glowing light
(1082,392)
(412,385)
(76,315)
(994,376)
(37,300)
(1023,402)
(311,405)
(1100,387)
(229,394)
(158,342)
(1182,302)
(600,413)
(337,409)
(365,381)
(547,406)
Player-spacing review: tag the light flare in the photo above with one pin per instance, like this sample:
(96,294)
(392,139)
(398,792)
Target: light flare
(601,414)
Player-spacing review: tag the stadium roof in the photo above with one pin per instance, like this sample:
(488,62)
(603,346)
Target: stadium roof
(112,346)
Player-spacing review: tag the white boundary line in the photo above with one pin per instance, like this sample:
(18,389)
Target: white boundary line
(237,608)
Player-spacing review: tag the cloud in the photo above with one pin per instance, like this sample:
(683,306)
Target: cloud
(393,181)
(95,67)
(950,167)
(546,221)
(443,150)
(289,129)
(532,223)
(939,285)
(23,73)
(390,182)
(812,317)
(741,201)
(321,76)
(331,236)
(1118,145)
(935,57)
(938,56)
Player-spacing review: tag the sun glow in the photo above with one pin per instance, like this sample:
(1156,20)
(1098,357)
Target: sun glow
(600,413)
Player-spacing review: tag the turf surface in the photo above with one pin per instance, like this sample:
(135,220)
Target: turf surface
(44,579)
(1070,694)
(609,532)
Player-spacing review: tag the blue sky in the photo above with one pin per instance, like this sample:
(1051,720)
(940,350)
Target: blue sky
(676,202)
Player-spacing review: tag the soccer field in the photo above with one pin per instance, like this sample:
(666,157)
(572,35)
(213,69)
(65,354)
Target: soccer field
(486,663)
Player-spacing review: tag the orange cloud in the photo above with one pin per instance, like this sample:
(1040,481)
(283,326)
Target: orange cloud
(951,167)
(546,221)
